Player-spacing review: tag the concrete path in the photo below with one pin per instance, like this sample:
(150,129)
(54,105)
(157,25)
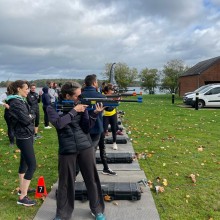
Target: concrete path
(143,209)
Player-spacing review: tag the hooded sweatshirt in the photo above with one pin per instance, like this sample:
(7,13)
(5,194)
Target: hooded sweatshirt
(45,97)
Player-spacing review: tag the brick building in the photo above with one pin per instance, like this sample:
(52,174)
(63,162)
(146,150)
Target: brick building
(204,72)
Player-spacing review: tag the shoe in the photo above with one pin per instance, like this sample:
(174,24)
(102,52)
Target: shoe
(100,216)
(47,127)
(109,172)
(114,146)
(11,145)
(26,202)
(29,191)
(57,218)
(119,132)
(37,137)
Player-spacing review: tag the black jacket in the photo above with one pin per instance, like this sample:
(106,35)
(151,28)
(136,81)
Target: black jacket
(22,118)
(33,99)
(45,97)
(90,92)
(72,129)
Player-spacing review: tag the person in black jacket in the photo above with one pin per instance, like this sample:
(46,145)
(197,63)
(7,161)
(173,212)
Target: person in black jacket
(91,91)
(33,100)
(72,125)
(46,102)
(22,121)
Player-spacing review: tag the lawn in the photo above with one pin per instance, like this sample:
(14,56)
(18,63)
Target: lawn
(171,142)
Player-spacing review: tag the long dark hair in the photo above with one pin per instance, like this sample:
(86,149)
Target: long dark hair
(12,88)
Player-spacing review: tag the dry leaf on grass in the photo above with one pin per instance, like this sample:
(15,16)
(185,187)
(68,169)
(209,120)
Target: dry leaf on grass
(193,177)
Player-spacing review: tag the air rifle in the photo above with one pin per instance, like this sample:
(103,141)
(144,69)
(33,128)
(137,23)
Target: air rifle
(118,95)
(67,105)
(118,90)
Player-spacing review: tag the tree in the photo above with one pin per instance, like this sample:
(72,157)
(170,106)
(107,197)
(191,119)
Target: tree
(172,71)
(124,76)
(149,79)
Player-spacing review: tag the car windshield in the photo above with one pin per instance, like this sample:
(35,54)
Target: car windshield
(205,89)
(201,88)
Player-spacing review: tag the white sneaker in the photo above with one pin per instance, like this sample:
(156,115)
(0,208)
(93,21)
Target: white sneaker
(114,146)
(48,127)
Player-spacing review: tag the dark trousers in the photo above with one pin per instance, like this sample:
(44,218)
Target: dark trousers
(112,120)
(98,140)
(37,118)
(27,160)
(11,135)
(66,185)
(102,151)
(46,120)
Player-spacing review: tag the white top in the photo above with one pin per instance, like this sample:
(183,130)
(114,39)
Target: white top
(3,96)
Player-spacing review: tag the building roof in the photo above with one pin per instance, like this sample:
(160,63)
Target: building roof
(201,67)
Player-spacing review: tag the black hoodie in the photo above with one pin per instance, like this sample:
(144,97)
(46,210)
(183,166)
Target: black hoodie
(45,97)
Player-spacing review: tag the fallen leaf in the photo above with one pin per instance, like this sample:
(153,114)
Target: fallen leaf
(193,177)
(107,198)
(165,183)
(200,148)
(150,184)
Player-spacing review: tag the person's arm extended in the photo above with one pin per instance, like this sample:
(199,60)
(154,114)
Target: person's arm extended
(57,121)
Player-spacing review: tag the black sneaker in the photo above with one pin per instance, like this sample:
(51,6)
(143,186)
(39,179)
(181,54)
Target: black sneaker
(26,202)
(29,191)
(109,172)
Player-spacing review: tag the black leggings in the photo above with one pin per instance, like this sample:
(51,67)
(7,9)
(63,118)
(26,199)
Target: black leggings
(27,161)
(112,120)
(37,119)
(46,120)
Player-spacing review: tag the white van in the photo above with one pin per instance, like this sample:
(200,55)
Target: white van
(208,97)
(188,97)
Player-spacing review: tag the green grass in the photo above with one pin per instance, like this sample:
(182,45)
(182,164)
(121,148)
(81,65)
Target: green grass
(167,134)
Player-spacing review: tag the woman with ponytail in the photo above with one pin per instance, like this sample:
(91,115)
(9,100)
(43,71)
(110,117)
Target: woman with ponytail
(22,120)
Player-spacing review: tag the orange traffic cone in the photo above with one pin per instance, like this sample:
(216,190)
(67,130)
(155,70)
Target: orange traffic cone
(41,188)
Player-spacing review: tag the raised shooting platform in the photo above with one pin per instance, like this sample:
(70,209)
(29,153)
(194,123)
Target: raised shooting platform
(143,209)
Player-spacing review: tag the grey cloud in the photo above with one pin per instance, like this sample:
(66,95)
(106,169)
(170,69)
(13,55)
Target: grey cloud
(53,39)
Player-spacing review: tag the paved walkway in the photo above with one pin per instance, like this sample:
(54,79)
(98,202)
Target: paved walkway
(143,209)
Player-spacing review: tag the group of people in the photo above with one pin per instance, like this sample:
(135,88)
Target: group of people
(79,130)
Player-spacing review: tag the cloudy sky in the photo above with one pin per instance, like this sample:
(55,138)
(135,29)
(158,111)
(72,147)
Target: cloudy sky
(72,38)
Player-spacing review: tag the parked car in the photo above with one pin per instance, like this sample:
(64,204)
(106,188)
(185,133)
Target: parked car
(187,98)
(208,97)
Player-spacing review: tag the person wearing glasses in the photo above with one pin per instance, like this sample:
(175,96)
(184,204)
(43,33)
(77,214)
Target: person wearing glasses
(73,125)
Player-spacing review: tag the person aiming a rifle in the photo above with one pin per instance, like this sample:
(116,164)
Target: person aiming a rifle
(110,117)
(75,144)
(90,90)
